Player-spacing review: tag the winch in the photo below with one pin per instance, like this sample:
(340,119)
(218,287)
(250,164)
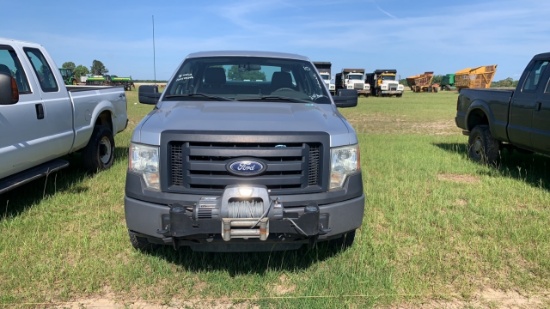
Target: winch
(244,211)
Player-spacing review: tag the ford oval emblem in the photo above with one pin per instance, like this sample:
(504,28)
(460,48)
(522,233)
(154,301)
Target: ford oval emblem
(246,167)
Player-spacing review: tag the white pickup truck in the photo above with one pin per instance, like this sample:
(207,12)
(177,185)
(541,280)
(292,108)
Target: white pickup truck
(42,120)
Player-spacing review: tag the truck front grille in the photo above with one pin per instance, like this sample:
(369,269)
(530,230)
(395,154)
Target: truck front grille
(358,86)
(197,163)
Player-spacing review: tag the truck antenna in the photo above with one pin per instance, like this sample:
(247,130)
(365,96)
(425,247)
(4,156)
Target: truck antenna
(154,54)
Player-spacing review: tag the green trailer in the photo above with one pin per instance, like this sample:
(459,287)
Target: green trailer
(126,82)
(111,80)
(96,80)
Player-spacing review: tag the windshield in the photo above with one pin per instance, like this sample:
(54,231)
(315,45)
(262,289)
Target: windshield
(247,79)
(355,76)
(388,77)
(325,76)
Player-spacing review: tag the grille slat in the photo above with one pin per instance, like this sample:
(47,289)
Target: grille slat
(252,152)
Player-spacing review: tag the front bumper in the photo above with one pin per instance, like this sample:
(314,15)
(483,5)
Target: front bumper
(391,91)
(216,224)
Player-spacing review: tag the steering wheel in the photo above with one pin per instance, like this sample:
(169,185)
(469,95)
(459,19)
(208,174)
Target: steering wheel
(284,89)
(322,99)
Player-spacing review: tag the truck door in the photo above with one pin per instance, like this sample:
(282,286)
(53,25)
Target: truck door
(541,115)
(54,115)
(27,136)
(524,103)
(18,133)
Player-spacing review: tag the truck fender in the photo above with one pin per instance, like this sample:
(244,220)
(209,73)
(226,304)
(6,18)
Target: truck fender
(101,115)
(478,113)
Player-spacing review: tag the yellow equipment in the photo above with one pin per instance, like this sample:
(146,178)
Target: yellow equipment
(421,82)
(480,77)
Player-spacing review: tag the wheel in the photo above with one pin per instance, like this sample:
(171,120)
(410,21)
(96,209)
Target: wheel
(139,243)
(99,154)
(399,95)
(482,147)
(344,242)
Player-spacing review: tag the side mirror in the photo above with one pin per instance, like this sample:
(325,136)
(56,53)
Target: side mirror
(148,94)
(345,98)
(9,94)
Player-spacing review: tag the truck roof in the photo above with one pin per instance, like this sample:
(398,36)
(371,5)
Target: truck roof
(379,71)
(353,70)
(246,53)
(542,56)
(18,42)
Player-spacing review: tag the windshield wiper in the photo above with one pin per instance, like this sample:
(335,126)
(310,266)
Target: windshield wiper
(201,95)
(274,98)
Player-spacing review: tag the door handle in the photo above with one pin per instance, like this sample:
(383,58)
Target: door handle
(39,111)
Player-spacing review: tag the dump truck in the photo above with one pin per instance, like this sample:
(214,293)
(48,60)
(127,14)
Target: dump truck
(324,68)
(384,83)
(352,79)
(421,82)
(479,77)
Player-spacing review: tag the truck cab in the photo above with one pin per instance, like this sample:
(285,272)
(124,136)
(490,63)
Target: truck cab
(324,68)
(352,79)
(384,83)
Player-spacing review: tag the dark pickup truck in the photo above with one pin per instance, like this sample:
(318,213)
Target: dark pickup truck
(518,119)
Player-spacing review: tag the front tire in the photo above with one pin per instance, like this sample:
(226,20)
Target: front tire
(139,243)
(482,147)
(343,242)
(99,154)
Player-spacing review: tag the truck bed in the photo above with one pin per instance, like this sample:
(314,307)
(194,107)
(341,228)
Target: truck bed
(495,103)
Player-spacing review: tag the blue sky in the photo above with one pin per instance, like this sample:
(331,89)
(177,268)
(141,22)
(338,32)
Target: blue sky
(410,36)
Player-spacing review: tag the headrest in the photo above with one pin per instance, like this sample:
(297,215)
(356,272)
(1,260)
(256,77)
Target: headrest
(215,75)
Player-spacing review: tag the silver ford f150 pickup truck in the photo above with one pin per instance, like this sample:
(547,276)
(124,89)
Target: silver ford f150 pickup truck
(41,120)
(244,151)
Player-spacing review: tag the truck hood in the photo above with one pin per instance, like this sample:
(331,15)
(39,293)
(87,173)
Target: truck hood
(245,117)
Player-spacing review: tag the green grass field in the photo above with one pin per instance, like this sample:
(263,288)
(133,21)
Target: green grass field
(439,231)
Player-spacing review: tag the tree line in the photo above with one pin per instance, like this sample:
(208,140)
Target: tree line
(97,68)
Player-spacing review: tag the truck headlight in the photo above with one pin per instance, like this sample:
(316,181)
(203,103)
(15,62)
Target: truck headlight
(366,87)
(144,160)
(344,161)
